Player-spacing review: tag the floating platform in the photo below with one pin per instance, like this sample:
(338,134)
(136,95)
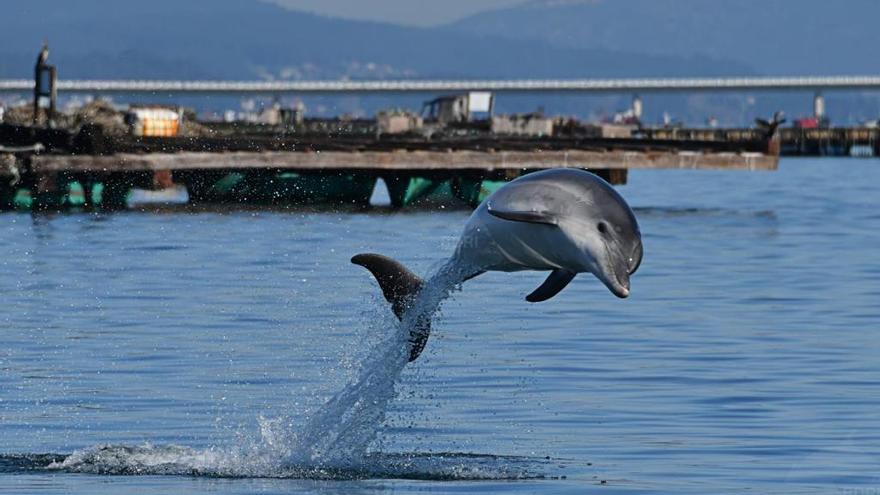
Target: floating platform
(285,168)
(793,141)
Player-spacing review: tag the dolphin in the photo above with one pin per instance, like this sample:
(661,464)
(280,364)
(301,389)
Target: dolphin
(563,221)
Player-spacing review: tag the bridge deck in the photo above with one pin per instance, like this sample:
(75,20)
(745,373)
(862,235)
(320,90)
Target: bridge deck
(812,83)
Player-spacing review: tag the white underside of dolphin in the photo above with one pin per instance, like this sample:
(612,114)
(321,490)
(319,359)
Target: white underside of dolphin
(562,221)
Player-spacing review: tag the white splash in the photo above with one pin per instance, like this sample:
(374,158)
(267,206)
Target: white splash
(334,440)
(340,434)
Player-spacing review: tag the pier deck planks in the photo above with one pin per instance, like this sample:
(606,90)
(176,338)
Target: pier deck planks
(402,161)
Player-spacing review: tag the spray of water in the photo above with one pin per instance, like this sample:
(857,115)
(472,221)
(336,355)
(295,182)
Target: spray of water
(334,442)
(339,436)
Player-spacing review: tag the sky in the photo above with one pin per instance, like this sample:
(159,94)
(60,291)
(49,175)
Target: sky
(406,12)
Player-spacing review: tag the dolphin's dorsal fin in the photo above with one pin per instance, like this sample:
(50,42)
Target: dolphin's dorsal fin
(557,281)
(543,217)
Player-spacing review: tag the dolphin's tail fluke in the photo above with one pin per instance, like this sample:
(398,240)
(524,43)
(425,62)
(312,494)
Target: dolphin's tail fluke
(400,287)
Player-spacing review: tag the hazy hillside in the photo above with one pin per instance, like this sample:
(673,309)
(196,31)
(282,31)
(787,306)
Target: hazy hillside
(246,39)
(251,39)
(773,36)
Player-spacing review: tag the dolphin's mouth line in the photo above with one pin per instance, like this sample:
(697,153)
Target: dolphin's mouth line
(623,287)
(618,281)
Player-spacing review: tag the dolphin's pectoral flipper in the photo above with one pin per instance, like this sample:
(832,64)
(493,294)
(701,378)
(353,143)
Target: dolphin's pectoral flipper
(557,281)
(543,217)
(400,287)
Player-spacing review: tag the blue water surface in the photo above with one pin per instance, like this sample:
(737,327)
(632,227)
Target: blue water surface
(746,360)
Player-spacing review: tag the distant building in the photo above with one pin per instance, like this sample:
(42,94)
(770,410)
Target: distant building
(815,122)
(398,122)
(155,121)
(615,131)
(459,108)
(532,124)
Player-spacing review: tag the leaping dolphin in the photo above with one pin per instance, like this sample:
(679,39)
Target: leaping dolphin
(565,221)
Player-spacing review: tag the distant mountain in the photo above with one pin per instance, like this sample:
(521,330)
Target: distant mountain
(783,37)
(254,39)
(249,39)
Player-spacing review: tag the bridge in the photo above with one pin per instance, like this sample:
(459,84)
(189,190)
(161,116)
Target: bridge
(647,85)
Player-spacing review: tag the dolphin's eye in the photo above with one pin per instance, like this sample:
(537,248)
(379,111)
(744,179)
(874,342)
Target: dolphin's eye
(603,227)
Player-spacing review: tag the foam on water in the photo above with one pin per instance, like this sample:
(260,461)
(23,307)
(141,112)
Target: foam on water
(333,443)
(172,460)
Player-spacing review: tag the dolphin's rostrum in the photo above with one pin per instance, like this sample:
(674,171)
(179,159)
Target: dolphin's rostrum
(565,221)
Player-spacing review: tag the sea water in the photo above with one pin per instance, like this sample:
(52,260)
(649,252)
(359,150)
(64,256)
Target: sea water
(240,351)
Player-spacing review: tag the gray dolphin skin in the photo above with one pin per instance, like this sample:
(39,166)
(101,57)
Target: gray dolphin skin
(562,221)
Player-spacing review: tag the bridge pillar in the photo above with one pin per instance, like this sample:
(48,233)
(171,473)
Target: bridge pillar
(637,107)
(819,107)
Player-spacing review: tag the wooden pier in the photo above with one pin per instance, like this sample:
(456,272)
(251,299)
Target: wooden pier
(52,169)
(380,162)
(823,141)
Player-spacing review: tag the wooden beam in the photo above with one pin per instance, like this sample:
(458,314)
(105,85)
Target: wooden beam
(403,161)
